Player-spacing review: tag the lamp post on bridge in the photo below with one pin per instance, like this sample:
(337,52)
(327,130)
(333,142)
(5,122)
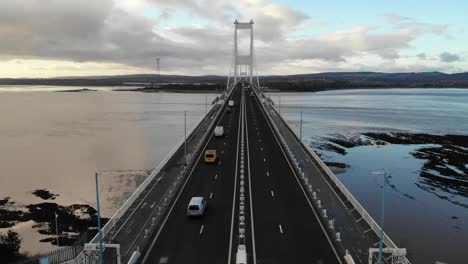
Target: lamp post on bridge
(56,228)
(101,260)
(382,217)
(279,104)
(185,138)
(300,130)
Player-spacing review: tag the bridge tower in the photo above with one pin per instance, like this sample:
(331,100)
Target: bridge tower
(243,64)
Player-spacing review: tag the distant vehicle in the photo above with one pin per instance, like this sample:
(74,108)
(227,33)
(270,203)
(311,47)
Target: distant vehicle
(196,206)
(231,103)
(220,101)
(229,109)
(210,156)
(219,131)
(251,94)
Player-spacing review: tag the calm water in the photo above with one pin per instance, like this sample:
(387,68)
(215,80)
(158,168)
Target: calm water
(58,140)
(433,225)
(420,110)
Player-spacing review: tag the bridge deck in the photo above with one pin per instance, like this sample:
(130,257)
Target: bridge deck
(285,227)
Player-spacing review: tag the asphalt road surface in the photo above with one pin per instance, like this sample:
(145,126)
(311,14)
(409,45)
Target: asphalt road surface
(282,226)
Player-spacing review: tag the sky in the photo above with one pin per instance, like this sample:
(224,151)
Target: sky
(52,38)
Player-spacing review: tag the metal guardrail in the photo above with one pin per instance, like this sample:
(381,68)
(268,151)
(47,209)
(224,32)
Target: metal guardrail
(349,196)
(174,188)
(59,255)
(135,195)
(341,187)
(121,211)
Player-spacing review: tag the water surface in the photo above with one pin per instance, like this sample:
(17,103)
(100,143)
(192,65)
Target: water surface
(56,141)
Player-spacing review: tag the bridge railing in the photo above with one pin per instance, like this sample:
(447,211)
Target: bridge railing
(128,203)
(154,218)
(349,196)
(161,209)
(291,140)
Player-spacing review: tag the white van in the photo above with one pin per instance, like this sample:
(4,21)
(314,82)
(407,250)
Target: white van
(196,206)
(219,131)
(231,103)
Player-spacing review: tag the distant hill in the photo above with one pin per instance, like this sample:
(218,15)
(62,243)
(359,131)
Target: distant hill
(349,80)
(298,82)
(116,80)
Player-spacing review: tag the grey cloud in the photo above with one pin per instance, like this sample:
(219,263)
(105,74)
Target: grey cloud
(99,31)
(449,57)
(422,56)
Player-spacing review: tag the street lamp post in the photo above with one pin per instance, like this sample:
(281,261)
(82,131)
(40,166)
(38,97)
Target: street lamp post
(279,104)
(185,137)
(101,260)
(300,130)
(382,217)
(56,228)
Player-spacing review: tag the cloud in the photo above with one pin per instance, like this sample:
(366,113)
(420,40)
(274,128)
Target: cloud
(449,57)
(120,32)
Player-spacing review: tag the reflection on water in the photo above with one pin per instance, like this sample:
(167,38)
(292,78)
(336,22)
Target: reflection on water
(56,141)
(427,196)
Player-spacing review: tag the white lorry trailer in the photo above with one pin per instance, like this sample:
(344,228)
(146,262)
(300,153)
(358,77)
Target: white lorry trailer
(219,131)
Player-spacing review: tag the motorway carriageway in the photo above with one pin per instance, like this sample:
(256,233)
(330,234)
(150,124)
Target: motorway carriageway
(281,226)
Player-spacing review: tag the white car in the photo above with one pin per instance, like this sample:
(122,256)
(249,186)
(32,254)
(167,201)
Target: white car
(196,206)
(231,103)
(219,131)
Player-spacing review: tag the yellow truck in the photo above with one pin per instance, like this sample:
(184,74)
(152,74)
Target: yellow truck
(210,156)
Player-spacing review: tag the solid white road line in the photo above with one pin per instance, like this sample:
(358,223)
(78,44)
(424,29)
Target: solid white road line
(264,160)
(216,176)
(250,193)
(272,193)
(300,185)
(180,191)
(152,205)
(281,229)
(235,189)
(211,195)
(268,174)
(201,229)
